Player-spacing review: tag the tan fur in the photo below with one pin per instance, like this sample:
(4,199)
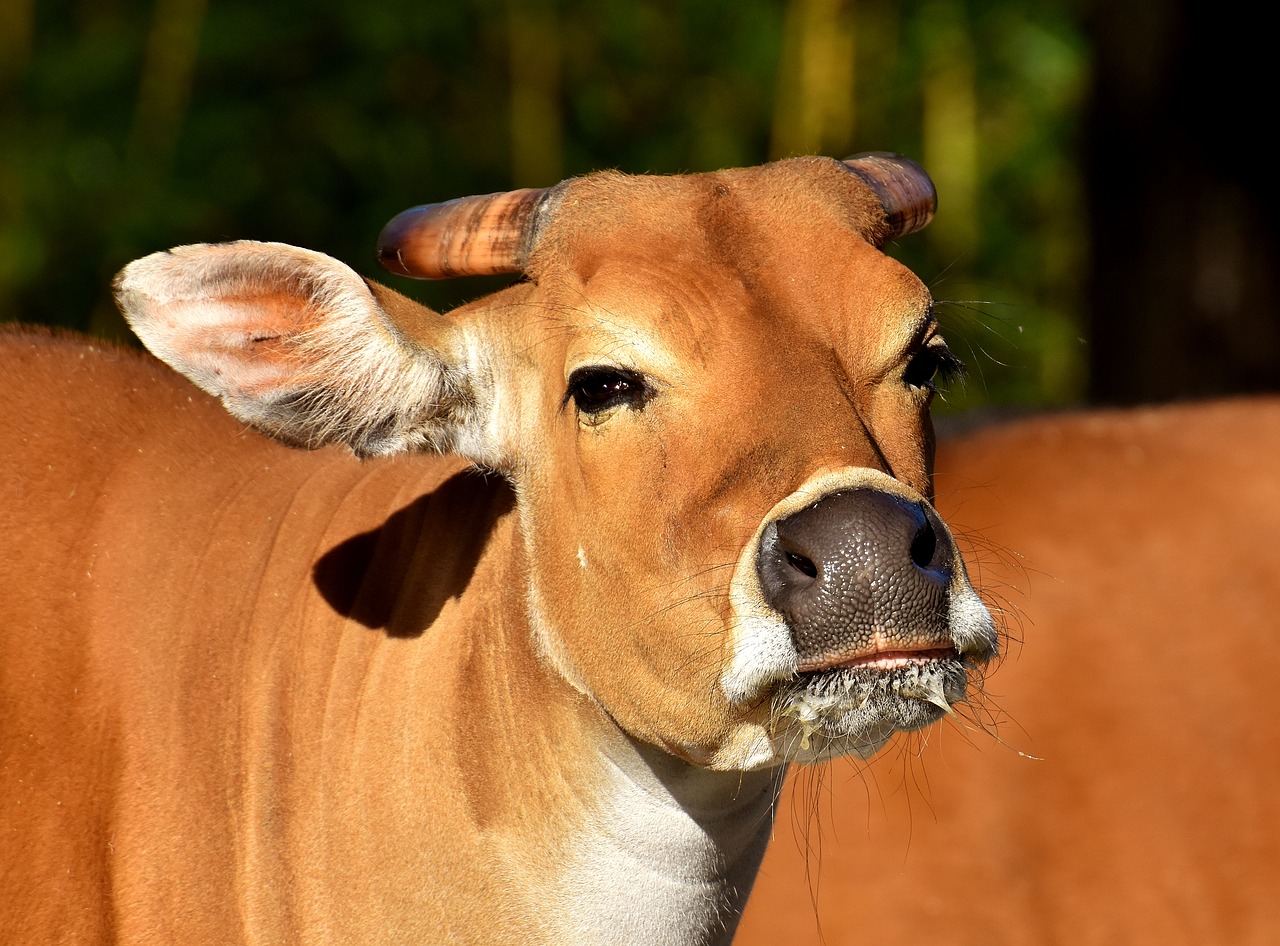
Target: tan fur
(1137,551)
(257,694)
(243,827)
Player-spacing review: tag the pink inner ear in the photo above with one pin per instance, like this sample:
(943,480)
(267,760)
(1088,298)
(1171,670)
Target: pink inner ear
(232,316)
(245,343)
(294,343)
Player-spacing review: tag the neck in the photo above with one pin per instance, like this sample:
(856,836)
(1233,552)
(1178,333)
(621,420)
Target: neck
(647,848)
(564,829)
(670,851)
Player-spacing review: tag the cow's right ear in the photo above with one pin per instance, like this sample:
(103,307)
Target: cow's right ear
(299,346)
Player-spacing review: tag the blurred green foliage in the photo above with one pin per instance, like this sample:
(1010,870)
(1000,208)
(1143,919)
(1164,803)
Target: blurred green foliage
(129,126)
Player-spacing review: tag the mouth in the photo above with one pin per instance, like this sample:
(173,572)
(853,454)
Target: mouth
(853,705)
(882,660)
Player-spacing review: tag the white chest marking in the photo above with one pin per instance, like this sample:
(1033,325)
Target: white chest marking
(669,855)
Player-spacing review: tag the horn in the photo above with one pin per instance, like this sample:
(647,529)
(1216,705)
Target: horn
(906,193)
(470,236)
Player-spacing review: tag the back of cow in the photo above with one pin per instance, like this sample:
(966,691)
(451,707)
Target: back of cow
(121,484)
(68,419)
(1126,788)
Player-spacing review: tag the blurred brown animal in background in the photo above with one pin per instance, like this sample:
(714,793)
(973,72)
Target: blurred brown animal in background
(1139,549)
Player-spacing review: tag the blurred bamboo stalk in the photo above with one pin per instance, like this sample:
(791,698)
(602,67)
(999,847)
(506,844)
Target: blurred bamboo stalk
(164,91)
(950,132)
(813,108)
(17,26)
(533,45)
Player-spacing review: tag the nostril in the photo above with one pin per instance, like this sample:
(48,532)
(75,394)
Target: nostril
(924,545)
(801,564)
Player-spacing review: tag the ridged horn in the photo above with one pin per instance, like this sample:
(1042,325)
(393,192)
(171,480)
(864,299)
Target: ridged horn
(906,193)
(470,236)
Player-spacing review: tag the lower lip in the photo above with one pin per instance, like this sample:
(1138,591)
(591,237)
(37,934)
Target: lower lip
(886,660)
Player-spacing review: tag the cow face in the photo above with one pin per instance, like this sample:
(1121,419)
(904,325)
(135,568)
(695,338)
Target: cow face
(712,397)
(722,441)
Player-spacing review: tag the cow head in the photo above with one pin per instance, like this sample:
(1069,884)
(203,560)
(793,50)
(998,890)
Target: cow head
(712,397)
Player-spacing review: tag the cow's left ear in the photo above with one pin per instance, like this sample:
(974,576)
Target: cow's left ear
(299,346)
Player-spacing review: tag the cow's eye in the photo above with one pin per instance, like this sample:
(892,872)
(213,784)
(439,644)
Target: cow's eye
(932,366)
(598,391)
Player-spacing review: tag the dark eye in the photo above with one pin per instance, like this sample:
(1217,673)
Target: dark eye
(598,389)
(932,366)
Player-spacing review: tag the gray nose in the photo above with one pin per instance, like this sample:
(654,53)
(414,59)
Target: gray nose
(853,564)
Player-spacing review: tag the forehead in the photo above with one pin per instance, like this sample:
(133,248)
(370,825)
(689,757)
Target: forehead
(701,256)
(732,211)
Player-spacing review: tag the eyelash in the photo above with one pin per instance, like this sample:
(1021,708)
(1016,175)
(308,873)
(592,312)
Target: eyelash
(598,388)
(932,367)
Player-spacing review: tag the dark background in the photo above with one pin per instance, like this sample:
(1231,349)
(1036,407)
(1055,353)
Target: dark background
(1106,230)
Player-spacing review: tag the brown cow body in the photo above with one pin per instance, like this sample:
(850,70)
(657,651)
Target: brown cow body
(121,764)
(150,713)
(1140,548)
(264,695)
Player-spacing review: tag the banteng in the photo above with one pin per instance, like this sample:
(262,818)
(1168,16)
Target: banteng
(253,693)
